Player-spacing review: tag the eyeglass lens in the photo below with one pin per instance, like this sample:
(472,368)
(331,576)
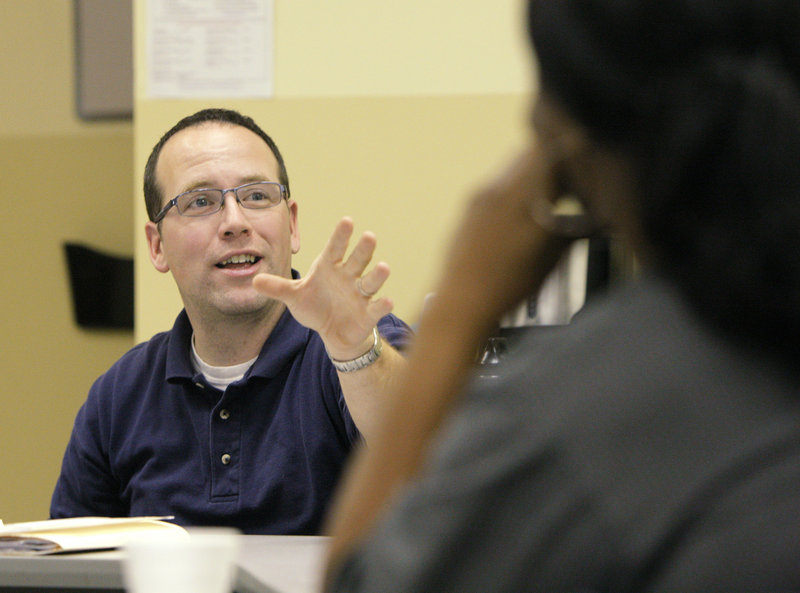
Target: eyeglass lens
(207,201)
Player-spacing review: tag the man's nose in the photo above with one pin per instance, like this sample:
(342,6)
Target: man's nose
(234,220)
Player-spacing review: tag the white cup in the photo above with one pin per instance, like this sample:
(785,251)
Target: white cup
(202,560)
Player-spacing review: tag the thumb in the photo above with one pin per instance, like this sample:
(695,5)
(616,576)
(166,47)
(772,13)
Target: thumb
(273,286)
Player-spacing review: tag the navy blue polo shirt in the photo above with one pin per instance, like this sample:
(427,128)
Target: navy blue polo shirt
(153,438)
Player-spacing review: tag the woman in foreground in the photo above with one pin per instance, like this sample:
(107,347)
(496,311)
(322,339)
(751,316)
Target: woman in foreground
(653,445)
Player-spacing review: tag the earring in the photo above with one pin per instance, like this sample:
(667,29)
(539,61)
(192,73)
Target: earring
(567,217)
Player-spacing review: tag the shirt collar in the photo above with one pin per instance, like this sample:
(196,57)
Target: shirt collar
(283,343)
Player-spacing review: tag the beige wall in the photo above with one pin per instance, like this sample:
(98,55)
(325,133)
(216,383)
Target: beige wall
(389,112)
(61,179)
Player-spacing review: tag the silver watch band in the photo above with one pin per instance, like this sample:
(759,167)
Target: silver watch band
(363,361)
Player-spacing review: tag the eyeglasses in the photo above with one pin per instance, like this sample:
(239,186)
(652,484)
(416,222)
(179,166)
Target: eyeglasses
(202,202)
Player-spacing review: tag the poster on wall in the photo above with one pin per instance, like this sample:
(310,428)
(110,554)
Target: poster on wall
(210,48)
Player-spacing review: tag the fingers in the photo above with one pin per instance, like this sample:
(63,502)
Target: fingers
(359,258)
(528,176)
(361,254)
(499,253)
(379,308)
(372,282)
(337,243)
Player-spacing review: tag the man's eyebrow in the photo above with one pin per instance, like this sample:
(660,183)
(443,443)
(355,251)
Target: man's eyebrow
(205,184)
(197,185)
(254,178)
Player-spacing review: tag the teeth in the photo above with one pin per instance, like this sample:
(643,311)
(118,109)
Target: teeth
(239,259)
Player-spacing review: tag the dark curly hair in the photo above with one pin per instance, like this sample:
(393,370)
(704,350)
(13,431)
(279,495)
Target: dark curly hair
(153,198)
(704,99)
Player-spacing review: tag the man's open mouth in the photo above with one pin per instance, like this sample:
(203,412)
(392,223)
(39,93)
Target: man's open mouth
(238,261)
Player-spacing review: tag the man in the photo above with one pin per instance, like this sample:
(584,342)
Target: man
(244,413)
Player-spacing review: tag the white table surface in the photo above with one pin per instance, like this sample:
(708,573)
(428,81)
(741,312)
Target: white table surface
(288,564)
(271,563)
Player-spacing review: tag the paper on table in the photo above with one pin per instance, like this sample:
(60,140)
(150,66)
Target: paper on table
(79,534)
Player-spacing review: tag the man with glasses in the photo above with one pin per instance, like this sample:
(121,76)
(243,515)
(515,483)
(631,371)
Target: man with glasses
(244,413)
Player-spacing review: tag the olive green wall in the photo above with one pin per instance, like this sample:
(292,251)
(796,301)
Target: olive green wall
(61,179)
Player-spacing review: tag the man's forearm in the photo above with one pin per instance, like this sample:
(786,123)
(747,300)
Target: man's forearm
(365,390)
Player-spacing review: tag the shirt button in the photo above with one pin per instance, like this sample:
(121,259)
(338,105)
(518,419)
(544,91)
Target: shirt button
(226,459)
(224,414)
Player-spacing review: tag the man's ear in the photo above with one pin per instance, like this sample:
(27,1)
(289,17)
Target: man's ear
(294,229)
(156,247)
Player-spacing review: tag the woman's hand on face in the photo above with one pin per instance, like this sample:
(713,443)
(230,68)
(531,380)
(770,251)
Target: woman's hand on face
(499,253)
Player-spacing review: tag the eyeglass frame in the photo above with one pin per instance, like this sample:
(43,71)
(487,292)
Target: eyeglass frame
(174,201)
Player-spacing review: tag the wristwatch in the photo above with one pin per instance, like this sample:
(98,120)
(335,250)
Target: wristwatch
(363,361)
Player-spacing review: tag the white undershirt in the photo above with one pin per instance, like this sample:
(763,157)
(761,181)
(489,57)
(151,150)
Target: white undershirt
(219,377)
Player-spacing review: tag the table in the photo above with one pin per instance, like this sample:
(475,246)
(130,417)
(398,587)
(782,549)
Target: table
(267,564)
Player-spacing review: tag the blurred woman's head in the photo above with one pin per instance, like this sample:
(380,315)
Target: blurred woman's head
(702,99)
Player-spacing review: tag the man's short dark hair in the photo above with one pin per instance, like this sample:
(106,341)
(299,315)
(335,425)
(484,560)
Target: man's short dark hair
(153,197)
